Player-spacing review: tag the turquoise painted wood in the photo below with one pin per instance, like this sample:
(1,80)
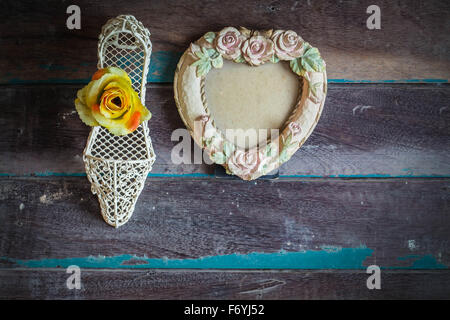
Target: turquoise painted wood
(207,175)
(51,222)
(402,133)
(360,216)
(327,258)
(353,52)
(162,70)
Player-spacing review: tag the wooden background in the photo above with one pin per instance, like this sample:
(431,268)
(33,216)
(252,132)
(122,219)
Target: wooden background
(370,186)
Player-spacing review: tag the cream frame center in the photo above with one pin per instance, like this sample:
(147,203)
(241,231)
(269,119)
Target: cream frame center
(254,48)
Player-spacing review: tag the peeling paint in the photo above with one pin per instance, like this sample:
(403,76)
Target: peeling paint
(361,109)
(49,198)
(329,257)
(208,175)
(265,286)
(162,69)
(345,258)
(331,248)
(389,81)
(422,262)
(412,245)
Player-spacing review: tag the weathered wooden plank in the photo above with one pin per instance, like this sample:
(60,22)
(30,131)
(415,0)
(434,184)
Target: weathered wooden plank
(411,44)
(205,223)
(211,285)
(365,131)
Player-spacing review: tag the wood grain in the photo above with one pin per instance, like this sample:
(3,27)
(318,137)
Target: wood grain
(211,285)
(365,131)
(412,43)
(368,132)
(404,222)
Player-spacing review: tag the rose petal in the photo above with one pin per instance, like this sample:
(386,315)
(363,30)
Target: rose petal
(119,72)
(134,121)
(96,103)
(138,106)
(85,113)
(98,74)
(94,89)
(228,43)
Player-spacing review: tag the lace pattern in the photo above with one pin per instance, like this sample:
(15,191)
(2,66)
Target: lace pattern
(117,166)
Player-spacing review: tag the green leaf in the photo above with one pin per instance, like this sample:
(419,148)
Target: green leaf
(199,54)
(284,155)
(218,62)
(228,149)
(311,60)
(296,67)
(274,59)
(288,140)
(218,157)
(203,67)
(268,150)
(199,61)
(212,53)
(240,59)
(207,59)
(207,142)
(314,87)
(209,36)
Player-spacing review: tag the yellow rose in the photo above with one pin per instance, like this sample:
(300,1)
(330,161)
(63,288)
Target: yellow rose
(110,101)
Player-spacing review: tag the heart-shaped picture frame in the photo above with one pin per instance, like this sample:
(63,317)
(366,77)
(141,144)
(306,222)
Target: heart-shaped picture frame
(253,48)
